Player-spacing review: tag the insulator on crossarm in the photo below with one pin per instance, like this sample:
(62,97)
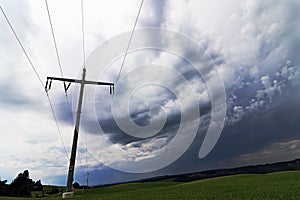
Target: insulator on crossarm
(50,84)
(46,89)
(111,90)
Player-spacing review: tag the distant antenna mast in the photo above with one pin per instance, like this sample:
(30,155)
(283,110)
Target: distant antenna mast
(67,82)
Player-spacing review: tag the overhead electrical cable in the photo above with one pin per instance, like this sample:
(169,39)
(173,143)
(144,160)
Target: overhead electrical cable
(54,40)
(130,39)
(56,122)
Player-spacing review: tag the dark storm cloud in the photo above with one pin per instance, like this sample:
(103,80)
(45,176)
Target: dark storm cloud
(258,129)
(116,135)
(140,117)
(255,132)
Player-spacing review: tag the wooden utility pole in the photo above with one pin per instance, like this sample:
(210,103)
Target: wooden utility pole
(69,191)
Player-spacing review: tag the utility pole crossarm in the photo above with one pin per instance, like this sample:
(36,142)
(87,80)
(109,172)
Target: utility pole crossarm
(98,83)
(71,80)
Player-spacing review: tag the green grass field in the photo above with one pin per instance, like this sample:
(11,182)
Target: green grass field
(283,186)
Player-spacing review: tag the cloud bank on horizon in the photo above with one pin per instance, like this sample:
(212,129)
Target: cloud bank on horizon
(254,45)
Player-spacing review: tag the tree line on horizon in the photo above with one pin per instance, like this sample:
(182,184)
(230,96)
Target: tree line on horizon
(21,186)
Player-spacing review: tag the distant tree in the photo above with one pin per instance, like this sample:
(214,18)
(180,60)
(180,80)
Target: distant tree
(76,185)
(22,185)
(37,186)
(4,188)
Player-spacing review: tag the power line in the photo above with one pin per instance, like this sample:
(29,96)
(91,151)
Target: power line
(55,119)
(130,39)
(37,75)
(54,41)
(22,47)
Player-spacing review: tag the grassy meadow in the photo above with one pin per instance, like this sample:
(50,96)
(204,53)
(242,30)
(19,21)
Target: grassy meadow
(273,186)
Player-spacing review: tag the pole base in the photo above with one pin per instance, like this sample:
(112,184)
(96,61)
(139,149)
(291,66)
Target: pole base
(67,195)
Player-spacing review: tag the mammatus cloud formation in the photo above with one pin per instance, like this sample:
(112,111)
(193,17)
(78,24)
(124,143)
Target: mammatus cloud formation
(253,44)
